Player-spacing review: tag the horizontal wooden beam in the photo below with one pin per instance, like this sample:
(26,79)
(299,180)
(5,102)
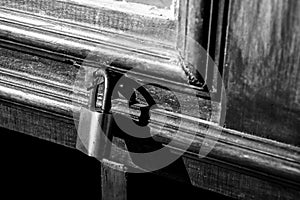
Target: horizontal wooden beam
(42,107)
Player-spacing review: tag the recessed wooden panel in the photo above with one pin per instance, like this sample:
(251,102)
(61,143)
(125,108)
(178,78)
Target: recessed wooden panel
(263,69)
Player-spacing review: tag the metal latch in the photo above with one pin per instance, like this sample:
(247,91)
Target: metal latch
(95,124)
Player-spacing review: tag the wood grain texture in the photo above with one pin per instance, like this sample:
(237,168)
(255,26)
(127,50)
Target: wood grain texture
(114,181)
(73,43)
(43,125)
(240,165)
(44,110)
(101,18)
(236,184)
(263,69)
(51,79)
(193,28)
(201,38)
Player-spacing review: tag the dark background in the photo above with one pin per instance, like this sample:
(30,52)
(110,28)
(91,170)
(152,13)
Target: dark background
(33,168)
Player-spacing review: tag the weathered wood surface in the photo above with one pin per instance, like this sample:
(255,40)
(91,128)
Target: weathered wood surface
(263,69)
(201,38)
(75,44)
(153,27)
(41,106)
(193,28)
(241,166)
(114,181)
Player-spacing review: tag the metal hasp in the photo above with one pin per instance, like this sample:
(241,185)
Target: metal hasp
(95,124)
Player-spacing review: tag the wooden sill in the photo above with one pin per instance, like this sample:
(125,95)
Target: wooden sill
(36,85)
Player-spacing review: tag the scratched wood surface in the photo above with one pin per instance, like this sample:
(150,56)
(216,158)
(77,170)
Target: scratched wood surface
(66,75)
(263,69)
(201,29)
(23,109)
(53,122)
(114,181)
(102,18)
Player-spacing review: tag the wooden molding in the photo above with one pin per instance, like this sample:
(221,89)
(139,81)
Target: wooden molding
(129,19)
(42,107)
(36,92)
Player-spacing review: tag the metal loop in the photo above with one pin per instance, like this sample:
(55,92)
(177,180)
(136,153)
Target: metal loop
(92,104)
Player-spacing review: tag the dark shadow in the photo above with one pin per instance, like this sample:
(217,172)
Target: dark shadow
(37,169)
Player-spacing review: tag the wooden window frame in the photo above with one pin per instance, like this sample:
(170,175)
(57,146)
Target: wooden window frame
(246,158)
